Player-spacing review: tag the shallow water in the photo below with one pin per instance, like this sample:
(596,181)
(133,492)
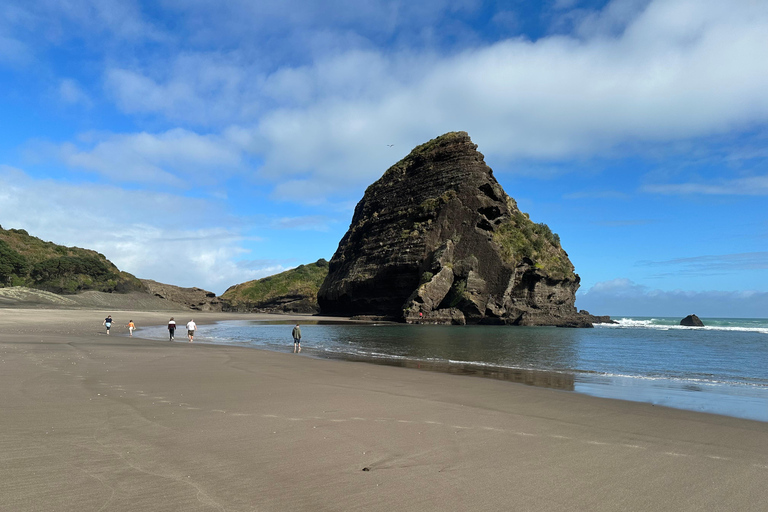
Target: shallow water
(717,369)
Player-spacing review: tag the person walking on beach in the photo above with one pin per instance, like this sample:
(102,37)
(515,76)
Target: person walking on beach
(171,328)
(296,333)
(191,328)
(131,327)
(107,323)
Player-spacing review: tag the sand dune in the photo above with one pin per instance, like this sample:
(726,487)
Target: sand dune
(21,297)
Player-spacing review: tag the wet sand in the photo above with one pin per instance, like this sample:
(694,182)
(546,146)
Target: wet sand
(96,422)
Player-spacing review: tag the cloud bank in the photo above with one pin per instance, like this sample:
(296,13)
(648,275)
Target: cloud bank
(622,297)
(632,74)
(141,232)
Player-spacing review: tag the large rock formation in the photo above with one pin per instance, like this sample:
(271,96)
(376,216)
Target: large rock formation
(436,239)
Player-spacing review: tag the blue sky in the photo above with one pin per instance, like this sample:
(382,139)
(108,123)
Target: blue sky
(204,143)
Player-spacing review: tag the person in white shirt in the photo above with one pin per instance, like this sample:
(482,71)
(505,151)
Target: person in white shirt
(191,328)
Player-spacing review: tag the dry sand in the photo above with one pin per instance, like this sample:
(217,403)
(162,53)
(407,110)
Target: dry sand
(96,423)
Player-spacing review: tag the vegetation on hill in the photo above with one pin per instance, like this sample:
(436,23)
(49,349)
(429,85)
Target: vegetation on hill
(292,290)
(29,261)
(521,238)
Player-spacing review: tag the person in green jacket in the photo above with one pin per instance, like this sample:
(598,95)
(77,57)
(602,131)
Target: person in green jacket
(296,333)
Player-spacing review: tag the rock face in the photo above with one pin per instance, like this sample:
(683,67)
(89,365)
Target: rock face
(193,298)
(692,321)
(437,240)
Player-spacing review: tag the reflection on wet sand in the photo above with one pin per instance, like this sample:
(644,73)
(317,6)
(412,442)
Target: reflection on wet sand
(538,378)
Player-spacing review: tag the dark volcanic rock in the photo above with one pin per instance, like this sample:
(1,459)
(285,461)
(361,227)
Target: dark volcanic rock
(437,240)
(692,321)
(286,304)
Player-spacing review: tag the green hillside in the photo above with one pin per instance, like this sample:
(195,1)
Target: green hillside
(292,290)
(29,261)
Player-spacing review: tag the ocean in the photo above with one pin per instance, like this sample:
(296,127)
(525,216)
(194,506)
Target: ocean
(720,368)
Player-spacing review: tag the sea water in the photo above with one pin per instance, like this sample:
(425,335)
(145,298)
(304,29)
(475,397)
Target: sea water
(720,368)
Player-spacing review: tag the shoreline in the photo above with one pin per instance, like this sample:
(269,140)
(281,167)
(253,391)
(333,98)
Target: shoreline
(719,398)
(114,423)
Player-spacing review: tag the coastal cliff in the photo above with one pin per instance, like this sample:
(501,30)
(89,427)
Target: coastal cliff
(437,240)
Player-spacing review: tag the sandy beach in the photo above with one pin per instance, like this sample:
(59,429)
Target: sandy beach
(90,422)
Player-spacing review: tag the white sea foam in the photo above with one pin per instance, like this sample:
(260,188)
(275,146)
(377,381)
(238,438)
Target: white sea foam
(669,378)
(630,322)
(657,324)
(762,330)
(480,363)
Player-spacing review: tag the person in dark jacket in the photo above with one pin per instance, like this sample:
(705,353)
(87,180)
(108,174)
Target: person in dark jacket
(107,323)
(171,328)
(296,333)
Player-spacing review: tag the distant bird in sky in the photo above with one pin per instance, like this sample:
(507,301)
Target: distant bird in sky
(390,145)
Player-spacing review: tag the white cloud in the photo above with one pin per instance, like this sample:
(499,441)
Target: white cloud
(622,297)
(122,18)
(206,258)
(71,92)
(564,4)
(12,50)
(661,79)
(141,232)
(306,223)
(749,186)
(612,20)
(202,88)
(55,21)
(297,21)
(360,74)
(714,263)
(177,157)
(635,72)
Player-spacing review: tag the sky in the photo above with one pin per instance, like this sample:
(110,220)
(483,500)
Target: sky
(207,143)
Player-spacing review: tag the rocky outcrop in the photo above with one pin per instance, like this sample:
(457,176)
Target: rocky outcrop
(285,304)
(692,321)
(193,298)
(437,240)
(292,291)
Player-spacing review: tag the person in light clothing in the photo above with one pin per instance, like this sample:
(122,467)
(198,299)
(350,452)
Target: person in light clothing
(191,328)
(131,327)
(296,333)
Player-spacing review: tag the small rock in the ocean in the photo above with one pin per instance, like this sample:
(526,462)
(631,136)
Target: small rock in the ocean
(366,469)
(692,321)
